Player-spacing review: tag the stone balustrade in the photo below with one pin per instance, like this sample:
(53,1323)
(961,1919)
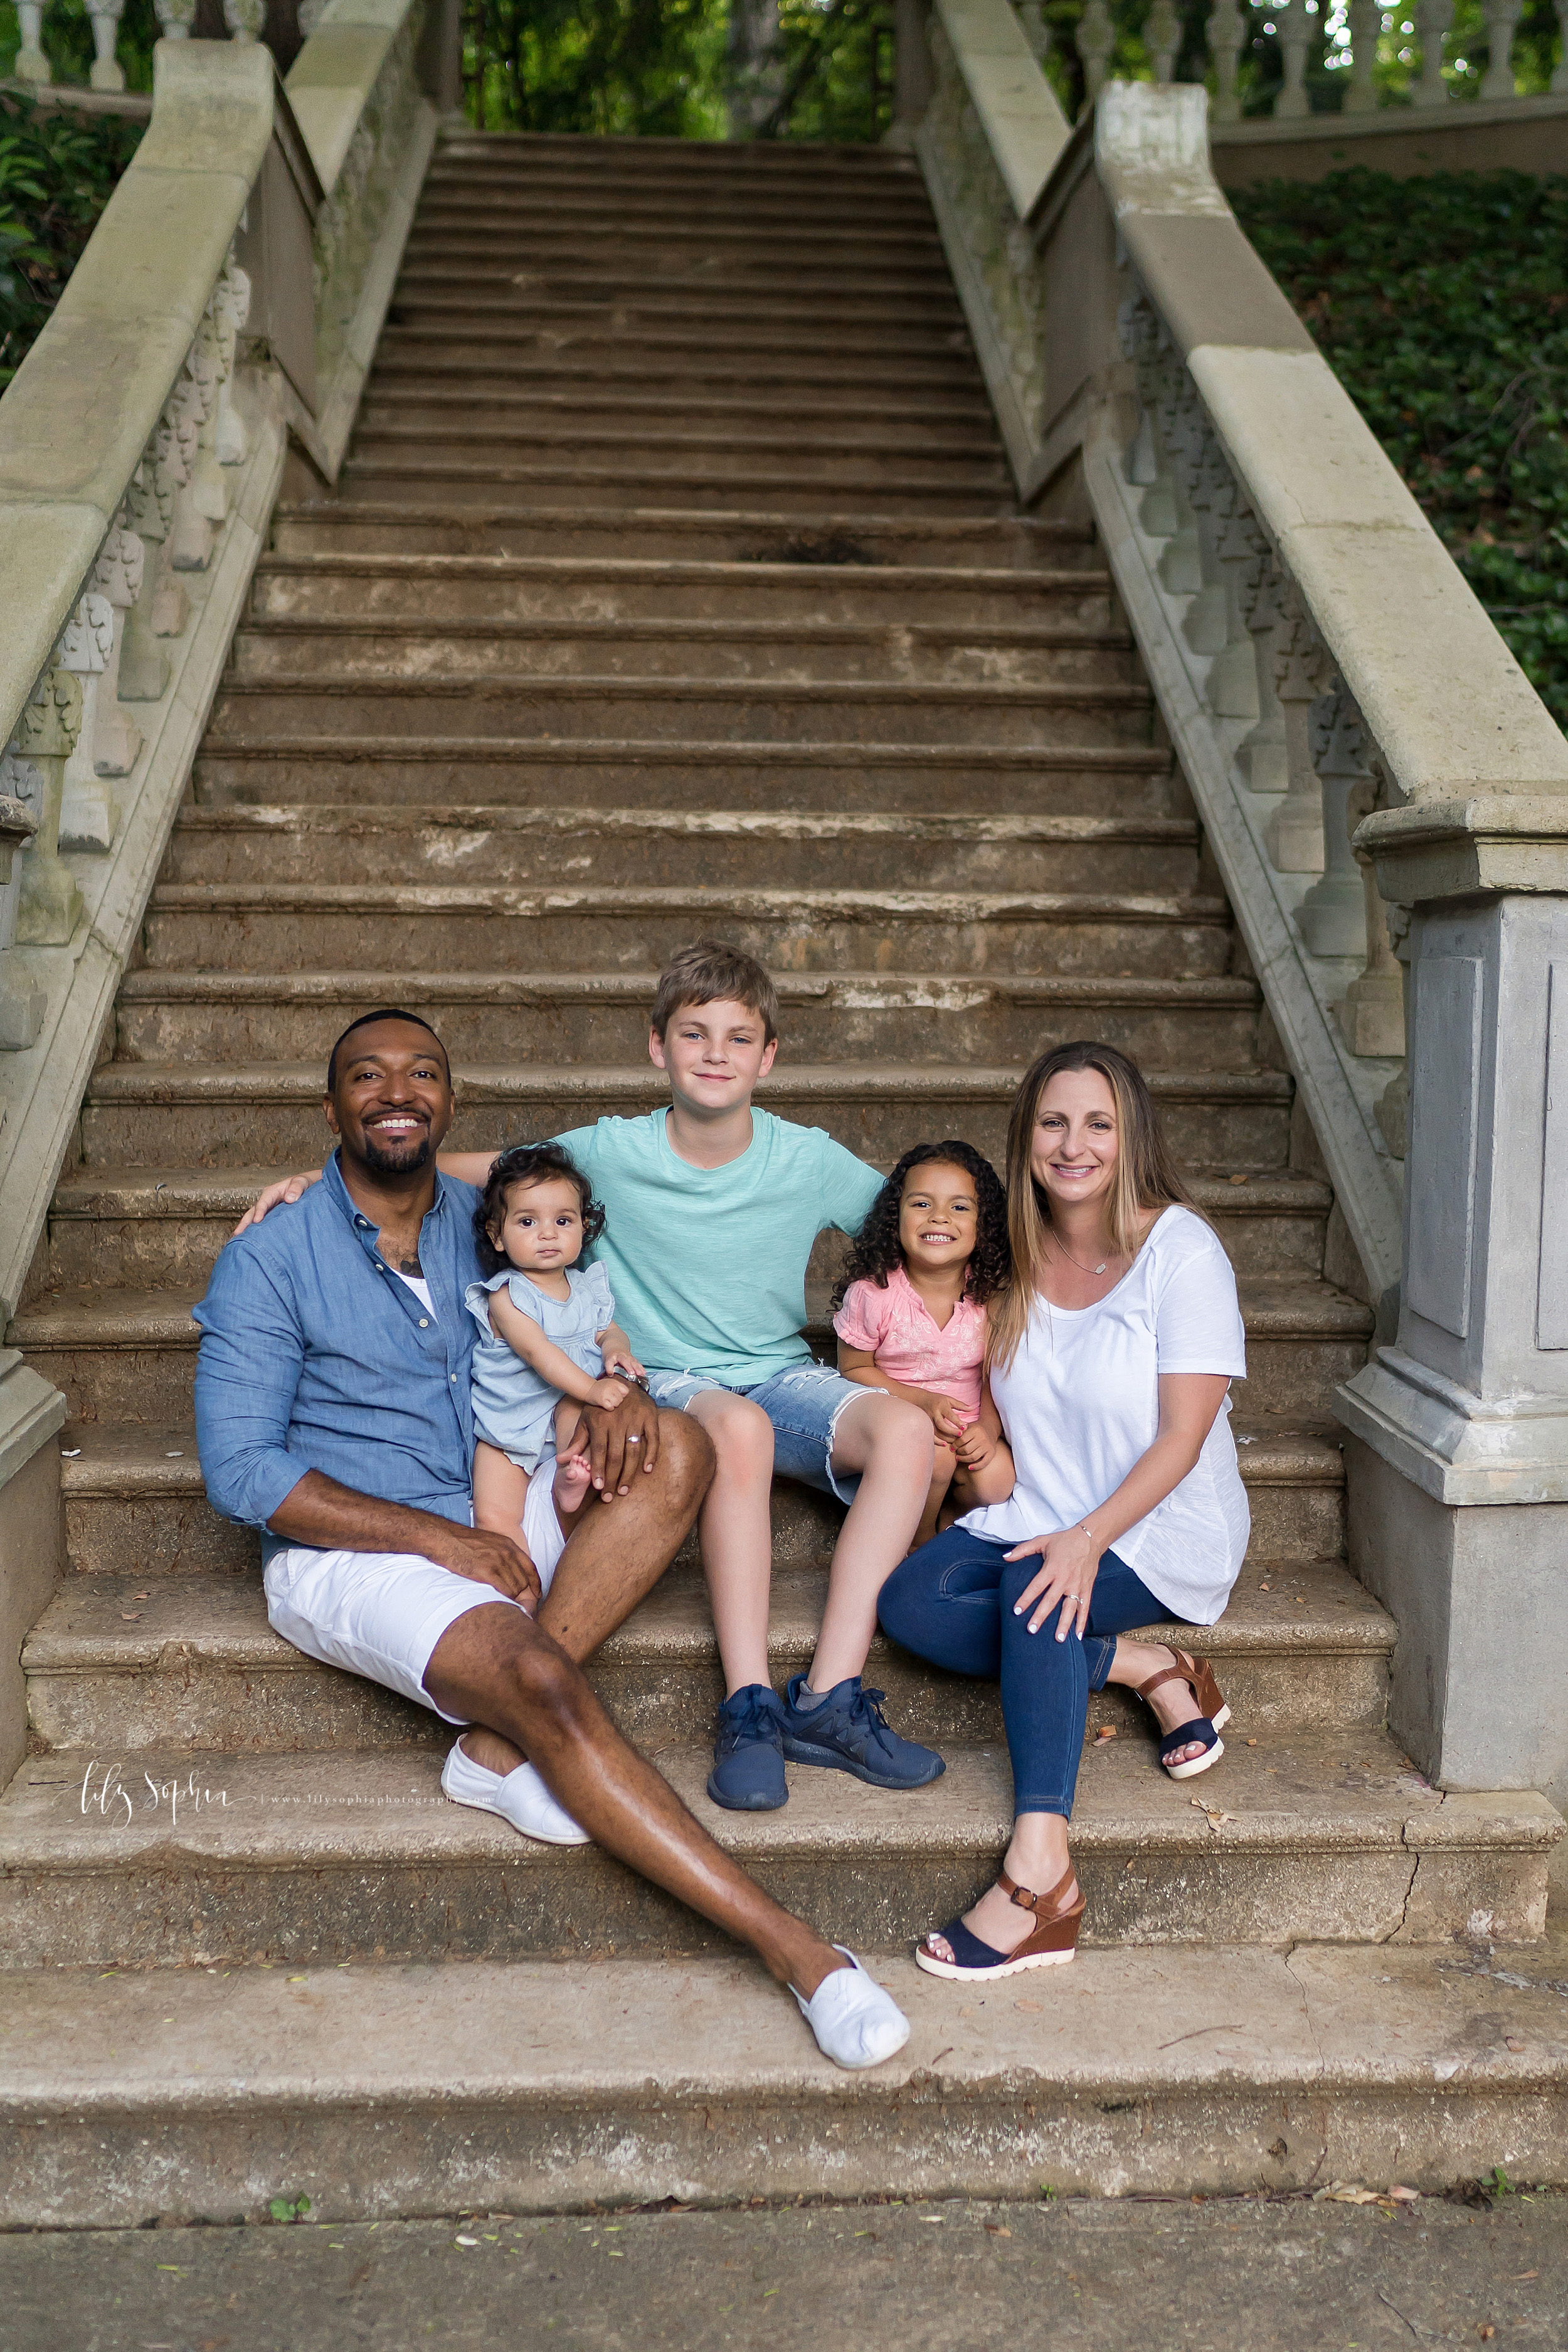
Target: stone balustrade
(228,301)
(1255,57)
(244,19)
(1383,792)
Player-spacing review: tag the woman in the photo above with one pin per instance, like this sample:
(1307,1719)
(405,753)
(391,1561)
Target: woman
(1112,1355)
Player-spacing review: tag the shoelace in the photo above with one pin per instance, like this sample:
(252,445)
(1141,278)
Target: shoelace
(865,1709)
(739,1730)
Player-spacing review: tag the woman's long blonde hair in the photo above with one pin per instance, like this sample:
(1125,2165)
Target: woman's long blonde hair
(1146,1178)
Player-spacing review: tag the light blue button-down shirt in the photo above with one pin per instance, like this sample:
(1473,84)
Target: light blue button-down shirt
(315,1355)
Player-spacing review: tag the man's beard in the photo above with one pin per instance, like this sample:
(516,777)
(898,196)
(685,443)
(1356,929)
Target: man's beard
(398,1159)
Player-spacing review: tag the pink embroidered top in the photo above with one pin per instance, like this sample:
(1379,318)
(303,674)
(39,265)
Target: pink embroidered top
(899,1332)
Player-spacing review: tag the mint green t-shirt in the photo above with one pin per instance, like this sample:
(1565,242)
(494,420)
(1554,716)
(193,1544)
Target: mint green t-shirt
(708,1265)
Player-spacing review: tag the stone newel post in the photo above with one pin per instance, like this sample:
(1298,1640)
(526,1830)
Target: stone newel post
(1458,1457)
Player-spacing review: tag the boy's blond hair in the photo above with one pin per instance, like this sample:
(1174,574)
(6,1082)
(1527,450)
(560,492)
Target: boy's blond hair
(710,972)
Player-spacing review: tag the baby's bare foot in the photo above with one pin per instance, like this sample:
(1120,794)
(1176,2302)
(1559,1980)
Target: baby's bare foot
(572,1479)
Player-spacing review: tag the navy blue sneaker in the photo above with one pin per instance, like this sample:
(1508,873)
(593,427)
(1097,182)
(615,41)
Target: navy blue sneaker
(749,1755)
(849,1731)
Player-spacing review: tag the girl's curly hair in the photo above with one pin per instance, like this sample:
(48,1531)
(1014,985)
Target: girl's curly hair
(875,1252)
(529,1164)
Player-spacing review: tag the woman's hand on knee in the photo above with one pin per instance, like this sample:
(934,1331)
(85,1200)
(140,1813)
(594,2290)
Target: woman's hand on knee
(1070,1561)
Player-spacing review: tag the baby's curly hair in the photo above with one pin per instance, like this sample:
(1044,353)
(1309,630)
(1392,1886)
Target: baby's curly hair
(529,1164)
(875,1252)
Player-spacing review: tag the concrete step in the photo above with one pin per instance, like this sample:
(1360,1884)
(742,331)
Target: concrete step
(166,1224)
(124,1661)
(379,770)
(844,539)
(1238,1118)
(553,222)
(675,709)
(422,472)
(505,416)
(305,1858)
(627,589)
(512,246)
(135,1506)
(515,2087)
(362,647)
(545,291)
(601,1017)
(744,847)
(129,1355)
(803,376)
(715,462)
(246,926)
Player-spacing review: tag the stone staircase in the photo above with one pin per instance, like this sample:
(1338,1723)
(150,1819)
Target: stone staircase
(673,585)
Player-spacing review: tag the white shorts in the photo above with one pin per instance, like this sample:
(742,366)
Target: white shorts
(380,1613)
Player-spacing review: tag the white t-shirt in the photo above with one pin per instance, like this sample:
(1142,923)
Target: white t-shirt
(420,1287)
(1079,1404)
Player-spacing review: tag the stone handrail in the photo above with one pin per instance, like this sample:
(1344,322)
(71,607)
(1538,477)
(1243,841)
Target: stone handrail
(1435,61)
(230,297)
(1314,651)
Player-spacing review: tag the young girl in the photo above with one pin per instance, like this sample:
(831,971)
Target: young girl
(911,1316)
(548,1337)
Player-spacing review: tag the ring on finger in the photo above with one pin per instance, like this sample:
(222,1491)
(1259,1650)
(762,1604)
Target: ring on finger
(633,1440)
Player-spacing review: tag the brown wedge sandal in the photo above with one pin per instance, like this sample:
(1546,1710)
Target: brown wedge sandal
(1055,1938)
(1206,1725)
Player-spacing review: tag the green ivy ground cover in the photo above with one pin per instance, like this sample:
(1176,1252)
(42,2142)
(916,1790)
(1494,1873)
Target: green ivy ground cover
(1442,305)
(57,174)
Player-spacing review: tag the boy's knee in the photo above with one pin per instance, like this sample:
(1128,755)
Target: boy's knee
(743,1436)
(903,1429)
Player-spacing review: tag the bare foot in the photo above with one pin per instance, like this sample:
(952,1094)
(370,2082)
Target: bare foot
(573,1478)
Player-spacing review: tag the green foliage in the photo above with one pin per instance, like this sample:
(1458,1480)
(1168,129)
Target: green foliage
(69,46)
(57,174)
(835,65)
(288,2209)
(649,68)
(1442,305)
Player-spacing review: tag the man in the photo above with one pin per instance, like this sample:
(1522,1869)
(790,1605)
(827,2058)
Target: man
(332,1410)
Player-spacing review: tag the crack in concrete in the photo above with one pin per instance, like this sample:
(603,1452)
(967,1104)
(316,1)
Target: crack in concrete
(1311,2025)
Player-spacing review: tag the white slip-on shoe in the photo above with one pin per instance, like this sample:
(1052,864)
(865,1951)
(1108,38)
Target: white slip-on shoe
(856,2022)
(519,1797)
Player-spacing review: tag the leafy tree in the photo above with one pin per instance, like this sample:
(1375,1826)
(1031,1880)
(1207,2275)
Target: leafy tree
(1442,305)
(58,172)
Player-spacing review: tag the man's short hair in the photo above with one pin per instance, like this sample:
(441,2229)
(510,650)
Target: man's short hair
(384,1012)
(710,972)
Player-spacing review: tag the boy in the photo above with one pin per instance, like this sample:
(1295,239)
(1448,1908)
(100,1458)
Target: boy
(711,1211)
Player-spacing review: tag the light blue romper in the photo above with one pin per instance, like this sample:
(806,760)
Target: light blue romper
(514,1406)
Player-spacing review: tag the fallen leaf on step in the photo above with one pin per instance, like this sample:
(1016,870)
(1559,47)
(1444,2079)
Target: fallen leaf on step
(1513,2041)
(1251,1743)
(1405,2196)
(1520,2276)
(142,1596)
(1344,2193)
(70,1452)
(178,1455)
(1239,1179)
(1106,1731)
(1035,2005)
(996,2229)
(129,1615)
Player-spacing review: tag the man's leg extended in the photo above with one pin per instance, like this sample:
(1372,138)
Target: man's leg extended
(494,1667)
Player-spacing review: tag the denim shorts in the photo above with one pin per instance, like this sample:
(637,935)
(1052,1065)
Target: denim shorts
(803,1403)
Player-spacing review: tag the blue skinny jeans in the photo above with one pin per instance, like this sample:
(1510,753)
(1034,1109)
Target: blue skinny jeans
(952,1603)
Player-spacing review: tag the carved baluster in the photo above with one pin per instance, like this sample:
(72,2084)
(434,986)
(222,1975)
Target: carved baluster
(244,19)
(88,811)
(1332,915)
(1177,422)
(1233,686)
(1372,1015)
(31,64)
(1096,40)
(117,574)
(1261,753)
(1205,626)
(1031,15)
(230,309)
(1502,16)
(1294,839)
(1433,18)
(1136,336)
(176,18)
(150,503)
(1162,38)
(106,72)
(1366,25)
(1227,37)
(46,736)
(21,1008)
(190,409)
(1158,514)
(1296,30)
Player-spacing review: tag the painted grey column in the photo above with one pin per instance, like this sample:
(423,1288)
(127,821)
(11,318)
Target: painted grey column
(912,79)
(1457,1454)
